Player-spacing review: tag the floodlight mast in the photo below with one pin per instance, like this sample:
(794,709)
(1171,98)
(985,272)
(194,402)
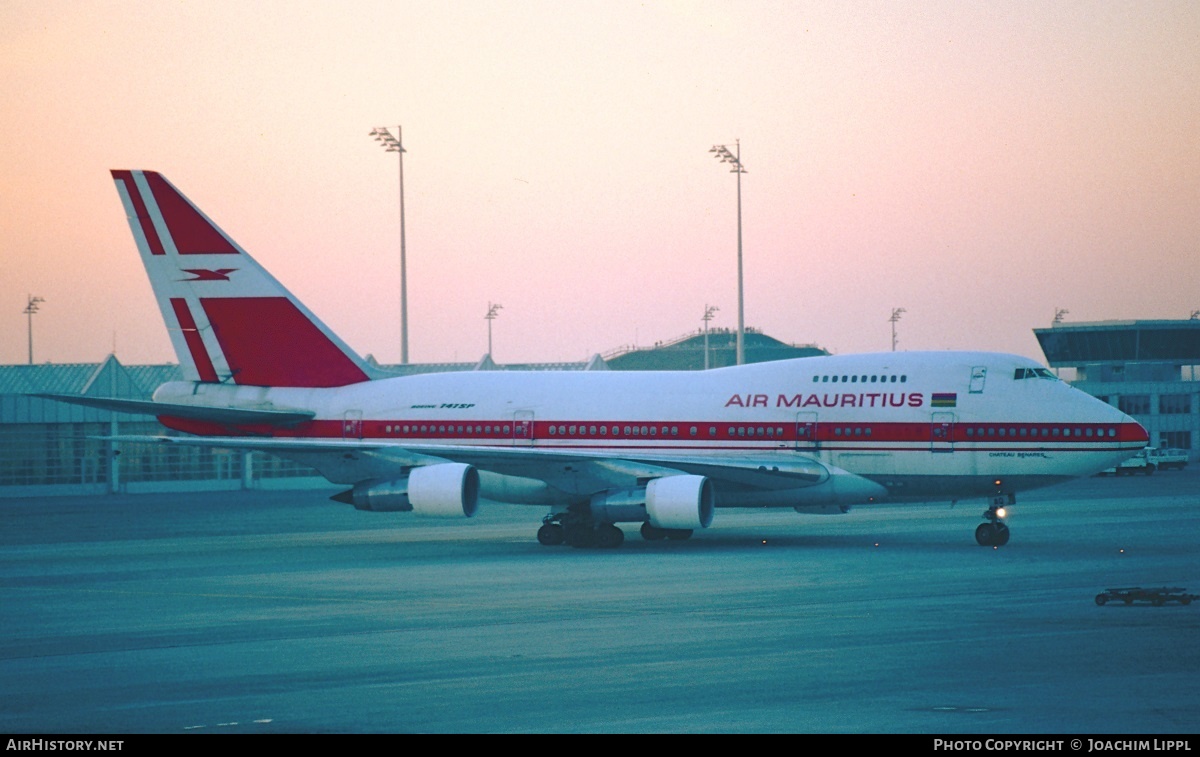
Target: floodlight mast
(896,313)
(392,144)
(735,161)
(492,313)
(709,310)
(30,308)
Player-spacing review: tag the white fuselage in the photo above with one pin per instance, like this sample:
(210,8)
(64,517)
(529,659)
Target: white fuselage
(924,426)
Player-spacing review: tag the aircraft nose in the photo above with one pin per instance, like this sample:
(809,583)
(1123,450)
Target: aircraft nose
(1138,431)
(1133,432)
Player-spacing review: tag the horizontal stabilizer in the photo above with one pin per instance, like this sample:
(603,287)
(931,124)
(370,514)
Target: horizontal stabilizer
(224,415)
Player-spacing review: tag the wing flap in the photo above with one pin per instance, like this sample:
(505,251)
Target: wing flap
(222,415)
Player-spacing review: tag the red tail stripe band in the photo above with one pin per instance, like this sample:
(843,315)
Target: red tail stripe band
(195,342)
(139,210)
(190,230)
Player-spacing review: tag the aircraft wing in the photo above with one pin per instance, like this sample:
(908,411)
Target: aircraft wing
(223,415)
(576,471)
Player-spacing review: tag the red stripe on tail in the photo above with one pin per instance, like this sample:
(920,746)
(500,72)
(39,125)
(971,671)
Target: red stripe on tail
(195,343)
(139,210)
(192,233)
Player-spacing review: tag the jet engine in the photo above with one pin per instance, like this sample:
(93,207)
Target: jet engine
(447,490)
(444,490)
(680,502)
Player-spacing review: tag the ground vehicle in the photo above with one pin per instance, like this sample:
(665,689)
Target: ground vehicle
(1165,459)
(1157,596)
(1142,462)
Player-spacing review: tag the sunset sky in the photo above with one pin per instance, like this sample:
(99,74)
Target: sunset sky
(980,164)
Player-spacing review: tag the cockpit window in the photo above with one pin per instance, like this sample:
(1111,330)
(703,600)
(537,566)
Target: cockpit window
(1033,373)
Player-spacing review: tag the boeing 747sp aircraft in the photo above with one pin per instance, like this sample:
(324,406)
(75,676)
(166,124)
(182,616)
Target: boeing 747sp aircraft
(596,448)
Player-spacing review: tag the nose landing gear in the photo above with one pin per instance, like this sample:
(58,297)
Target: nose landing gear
(994,533)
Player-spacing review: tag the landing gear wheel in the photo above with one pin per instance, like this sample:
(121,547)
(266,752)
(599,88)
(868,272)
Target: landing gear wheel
(993,534)
(551,535)
(653,533)
(983,534)
(608,536)
(1000,535)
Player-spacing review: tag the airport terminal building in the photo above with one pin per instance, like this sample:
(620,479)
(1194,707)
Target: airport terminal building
(1148,369)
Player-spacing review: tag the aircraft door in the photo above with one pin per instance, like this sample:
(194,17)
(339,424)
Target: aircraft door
(352,425)
(806,431)
(942,432)
(978,377)
(522,433)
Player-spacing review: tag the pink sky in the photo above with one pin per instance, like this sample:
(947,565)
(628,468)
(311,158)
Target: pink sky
(978,164)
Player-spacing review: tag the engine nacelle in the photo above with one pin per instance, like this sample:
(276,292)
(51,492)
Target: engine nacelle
(445,490)
(680,502)
(378,496)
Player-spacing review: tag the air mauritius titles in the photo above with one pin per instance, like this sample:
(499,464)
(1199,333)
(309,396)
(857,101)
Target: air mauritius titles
(865,399)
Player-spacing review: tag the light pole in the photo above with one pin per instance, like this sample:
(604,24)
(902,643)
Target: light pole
(708,316)
(735,161)
(30,308)
(392,144)
(896,313)
(493,311)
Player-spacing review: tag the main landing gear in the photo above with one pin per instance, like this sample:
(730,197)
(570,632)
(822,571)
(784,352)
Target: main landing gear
(579,529)
(994,533)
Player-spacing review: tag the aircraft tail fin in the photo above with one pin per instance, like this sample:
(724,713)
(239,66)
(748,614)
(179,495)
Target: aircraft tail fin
(229,319)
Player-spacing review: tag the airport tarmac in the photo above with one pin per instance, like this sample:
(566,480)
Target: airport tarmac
(283,612)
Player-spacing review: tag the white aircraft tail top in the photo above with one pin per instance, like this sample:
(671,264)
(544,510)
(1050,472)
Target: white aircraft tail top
(229,319)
